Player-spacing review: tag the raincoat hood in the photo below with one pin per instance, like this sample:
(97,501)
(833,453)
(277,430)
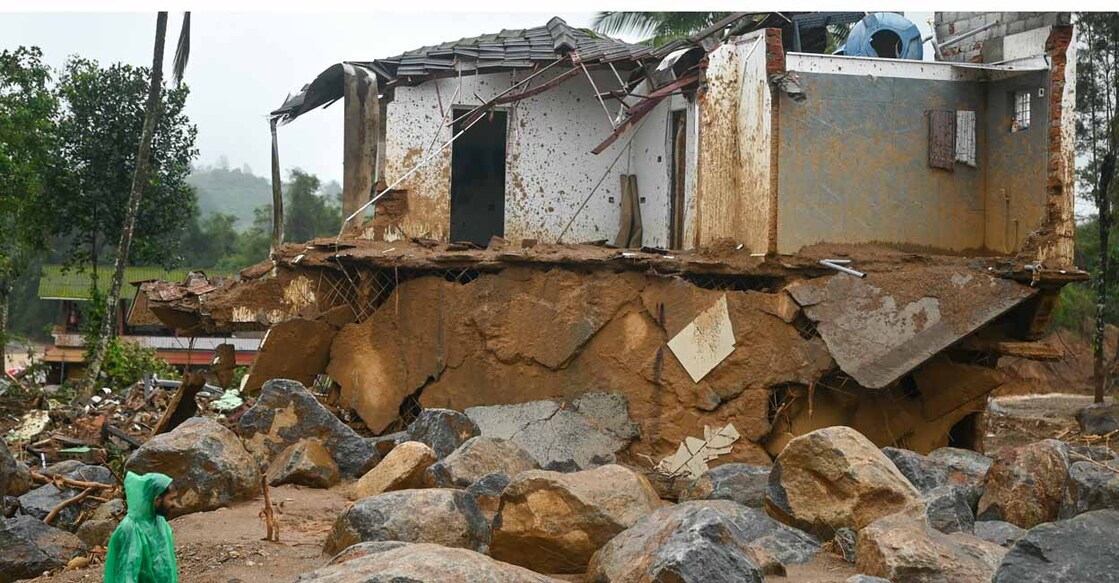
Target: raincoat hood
(141,549)
(141,492)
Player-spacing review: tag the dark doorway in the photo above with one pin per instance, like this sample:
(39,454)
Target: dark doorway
(679,164)
(478,179)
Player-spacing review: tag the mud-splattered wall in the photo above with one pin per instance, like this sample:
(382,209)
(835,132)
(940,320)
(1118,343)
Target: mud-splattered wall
(1015,165)
(734,163)
(550,169)
(853,164)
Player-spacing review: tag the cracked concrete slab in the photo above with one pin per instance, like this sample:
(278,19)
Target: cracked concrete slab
(588,431)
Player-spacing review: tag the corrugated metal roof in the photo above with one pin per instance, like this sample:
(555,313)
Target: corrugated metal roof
(57,284)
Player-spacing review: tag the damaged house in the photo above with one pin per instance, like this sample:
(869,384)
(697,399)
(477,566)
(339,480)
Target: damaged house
(719,231)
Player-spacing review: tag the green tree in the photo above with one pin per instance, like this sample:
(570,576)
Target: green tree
(209,240)
(1097,142)
(100,130)
(307,212)
(655,28)
(27,163)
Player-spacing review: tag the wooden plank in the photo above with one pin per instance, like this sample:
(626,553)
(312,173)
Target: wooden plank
(942,139)
(1029,350)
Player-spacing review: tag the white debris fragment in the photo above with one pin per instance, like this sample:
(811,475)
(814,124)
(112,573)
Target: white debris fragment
(693,454)
(31,424)
(705,342)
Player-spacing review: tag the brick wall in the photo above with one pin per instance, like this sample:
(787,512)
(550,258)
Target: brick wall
(988,46)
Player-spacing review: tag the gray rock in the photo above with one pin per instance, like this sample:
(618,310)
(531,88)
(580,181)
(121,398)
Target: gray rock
(301,416)
(28,548)
(845,540)
(588,432)
(1098,419)
(998,532)
(441,516)
(114,509)
(1090,486)
(443,430)
(364,549)
(40,501)
(964,465)
(950,508)
(866,579)
(487,492)
(384,443)
(209,466)
(477,457)
(1096,453)
(690,542)
(95,533)
(61,468)
(566,466)
(742,483)
(922,471)
(1084,548)
(7,468)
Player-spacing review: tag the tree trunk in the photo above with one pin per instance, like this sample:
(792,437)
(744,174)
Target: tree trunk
(139,180)
(5,293)
(1107,191)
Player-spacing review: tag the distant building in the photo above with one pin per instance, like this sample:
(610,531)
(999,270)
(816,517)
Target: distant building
(135,323)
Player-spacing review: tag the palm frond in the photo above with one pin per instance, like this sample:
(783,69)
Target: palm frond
(655,28)
(182,52)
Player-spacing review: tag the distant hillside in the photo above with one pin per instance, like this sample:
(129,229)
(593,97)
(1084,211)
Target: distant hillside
(230,191)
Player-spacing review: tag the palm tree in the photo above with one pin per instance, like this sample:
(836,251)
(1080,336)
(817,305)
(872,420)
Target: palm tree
(139,179)
(657,28)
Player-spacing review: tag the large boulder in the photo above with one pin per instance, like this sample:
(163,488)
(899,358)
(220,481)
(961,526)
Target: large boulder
(94,533)
(833,478)
(7,469)
(1026,484)
(1001,533)
(207,463)
(477,457)
(1098,419)
(28,548)
(1091,486)
(403,468)
(305,463)
(688,543)
(441,516)
(553,522)
(443,430)
(965,467)
(1084,548)
(742,483)
(949,508)
(587,432)
(423,563)
(901,548)
(287,413)
(40,501)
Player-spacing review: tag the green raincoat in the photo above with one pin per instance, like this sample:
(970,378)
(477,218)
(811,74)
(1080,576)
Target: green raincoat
(141,549)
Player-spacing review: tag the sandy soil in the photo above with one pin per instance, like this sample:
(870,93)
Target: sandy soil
(225,546)
(1020,419)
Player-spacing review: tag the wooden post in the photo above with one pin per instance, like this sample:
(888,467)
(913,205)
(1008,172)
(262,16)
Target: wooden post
(277,194)
(361,137)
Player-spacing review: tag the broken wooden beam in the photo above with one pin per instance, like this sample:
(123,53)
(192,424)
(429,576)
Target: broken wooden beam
(1042,351)
(182,405)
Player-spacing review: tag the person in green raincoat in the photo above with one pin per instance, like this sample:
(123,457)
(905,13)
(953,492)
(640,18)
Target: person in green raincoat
(141,549)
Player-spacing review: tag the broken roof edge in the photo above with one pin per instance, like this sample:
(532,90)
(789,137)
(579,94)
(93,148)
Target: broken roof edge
(909,69)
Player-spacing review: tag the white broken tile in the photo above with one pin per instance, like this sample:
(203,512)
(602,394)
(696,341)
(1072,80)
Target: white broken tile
(705,342)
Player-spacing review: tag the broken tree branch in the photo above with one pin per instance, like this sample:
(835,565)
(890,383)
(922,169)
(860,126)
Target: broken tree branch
(63,480)
(270,523)
(66,503)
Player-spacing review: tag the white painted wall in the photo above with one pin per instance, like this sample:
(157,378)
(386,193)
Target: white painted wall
(550,169)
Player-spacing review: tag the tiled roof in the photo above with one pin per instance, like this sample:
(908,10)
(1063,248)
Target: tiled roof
(509,49)
(57,284)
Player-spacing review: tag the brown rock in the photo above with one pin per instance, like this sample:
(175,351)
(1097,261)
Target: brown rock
(903,549)
(94,533)
(402,468)
(295,349)
(833,478)
(1025,484)
(306,463)
(476,458)
(207,462)
(423,563)
(552,522)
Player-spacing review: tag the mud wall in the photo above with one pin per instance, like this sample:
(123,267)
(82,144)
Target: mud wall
(853,164)
(733,193)
(550,169)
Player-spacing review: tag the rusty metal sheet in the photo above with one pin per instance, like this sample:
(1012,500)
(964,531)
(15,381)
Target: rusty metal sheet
(882,327)
(942,139)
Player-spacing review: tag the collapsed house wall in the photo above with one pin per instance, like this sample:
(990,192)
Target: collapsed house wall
(549,167)
(854,163)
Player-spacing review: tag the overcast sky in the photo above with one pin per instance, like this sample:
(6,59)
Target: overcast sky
(242,65)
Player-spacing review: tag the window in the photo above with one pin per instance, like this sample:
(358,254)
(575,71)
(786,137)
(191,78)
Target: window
(1021,120)
(965,138)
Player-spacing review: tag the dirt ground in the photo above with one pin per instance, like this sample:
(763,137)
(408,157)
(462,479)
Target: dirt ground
(225,546)
(1020,419)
